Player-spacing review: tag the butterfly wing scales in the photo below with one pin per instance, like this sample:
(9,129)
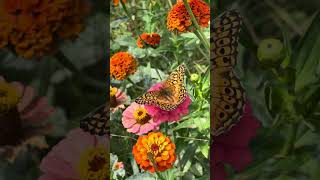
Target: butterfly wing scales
(172,94)
(227,95)
(97,122)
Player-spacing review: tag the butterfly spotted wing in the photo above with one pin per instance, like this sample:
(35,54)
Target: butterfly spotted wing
(97,122)
(172,93)
(227,95)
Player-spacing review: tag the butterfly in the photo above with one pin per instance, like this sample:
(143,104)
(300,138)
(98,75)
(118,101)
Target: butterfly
(171,95)
(227,94)
(97,122)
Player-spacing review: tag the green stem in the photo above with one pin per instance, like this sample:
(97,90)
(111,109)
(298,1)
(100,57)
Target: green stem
(115,135)
(62,59)
(134,84)
(202,41)
(160,176)
(287,147)
(130,18)
(195,23)
(170,3)
(191,138)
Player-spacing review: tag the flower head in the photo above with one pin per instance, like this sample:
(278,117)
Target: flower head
(233,146)
(137,119)
(117,99)
(180,20)
(32,28)
(116,2)
(79,156)
(154,152)
(122,64)
(163,116)
(23,116)
(145,39)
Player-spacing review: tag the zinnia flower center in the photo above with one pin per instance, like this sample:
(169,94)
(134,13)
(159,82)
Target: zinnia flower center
(94,163)
(141,115)
(9,97)
(154,147)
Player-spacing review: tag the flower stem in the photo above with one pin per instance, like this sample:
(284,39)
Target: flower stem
(196,25)
(115,135)
(202,41)
(65,61)
(289,143)
(134,84)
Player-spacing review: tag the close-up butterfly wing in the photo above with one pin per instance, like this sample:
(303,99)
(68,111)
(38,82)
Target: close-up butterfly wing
(172,94)
(97,122)
(227,94)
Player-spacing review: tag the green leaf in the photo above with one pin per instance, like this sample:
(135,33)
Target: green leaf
(140,176)
(307,57)
(309,138)
(188,155)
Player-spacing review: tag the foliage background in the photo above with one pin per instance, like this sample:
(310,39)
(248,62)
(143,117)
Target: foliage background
(75,84)
(284,97)
(191,134)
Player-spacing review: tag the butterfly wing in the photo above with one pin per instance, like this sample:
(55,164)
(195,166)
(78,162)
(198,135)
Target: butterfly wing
(97,122)
(172,94)
(227,95)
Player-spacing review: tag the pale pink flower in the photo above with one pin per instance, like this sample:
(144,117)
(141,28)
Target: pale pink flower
(77,157)
(24,120)
(118,165)
(117,99)
(137,119)
(168,116)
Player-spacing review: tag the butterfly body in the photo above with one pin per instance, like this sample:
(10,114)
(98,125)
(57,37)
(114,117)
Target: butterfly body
(171,94)
(227,95)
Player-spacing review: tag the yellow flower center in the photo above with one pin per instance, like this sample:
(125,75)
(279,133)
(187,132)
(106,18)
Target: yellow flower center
(141,115)
(94,164)
(156,145)
(9,97)
(113,99)
(113,91)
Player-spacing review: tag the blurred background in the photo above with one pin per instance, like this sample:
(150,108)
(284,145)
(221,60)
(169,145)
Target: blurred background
(278,66)
(71,76)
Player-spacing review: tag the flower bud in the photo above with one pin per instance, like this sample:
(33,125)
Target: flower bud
(194,77)
(271,52)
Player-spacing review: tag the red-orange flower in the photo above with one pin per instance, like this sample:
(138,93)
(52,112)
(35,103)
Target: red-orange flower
(180,20)
(116,2)
(154,152)
(152,39)
(33,28)
(122,64)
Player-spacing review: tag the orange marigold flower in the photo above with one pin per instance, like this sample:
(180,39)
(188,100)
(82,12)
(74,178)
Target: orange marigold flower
(122,64)
(116,2)
(154,152)
(152,40)
(33,28)
(179,18)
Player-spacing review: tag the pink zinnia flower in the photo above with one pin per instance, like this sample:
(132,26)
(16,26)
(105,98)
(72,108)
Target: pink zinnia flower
(79,156)
(171,116)
(137,119)
(233,146)
(117,99)
(23,116)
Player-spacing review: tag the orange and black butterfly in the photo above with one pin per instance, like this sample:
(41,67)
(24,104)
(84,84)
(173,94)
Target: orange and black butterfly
(227,94)
(171,95)
(97,122)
